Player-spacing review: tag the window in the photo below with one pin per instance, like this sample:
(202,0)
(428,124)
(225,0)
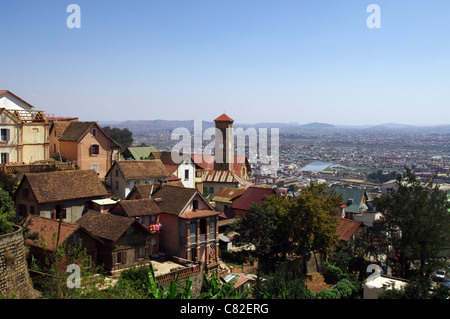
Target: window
(140,253)
(117,173)
(194,204)
(186,174)
(211,190)
(59,212)
(94,131)
(193,228)
(94,167)
(120,258)
(22,210)
(117,185)
(32,210)
(4,134)
(153,241)
(95,149)
(75,238)
(4,159)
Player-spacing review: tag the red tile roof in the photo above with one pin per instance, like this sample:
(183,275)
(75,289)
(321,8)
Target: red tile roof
(252,195)
(224,118)
(199,214)
(346,228)
(48,229)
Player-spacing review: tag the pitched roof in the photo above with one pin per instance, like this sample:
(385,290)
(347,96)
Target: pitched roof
(142,169)
(139,207)
(227,194)
(145,190)
(224,118)
(252,195)
(76,130)
(2,92)
(50,187)
(356,196)
(217,176)
(346,228)
(59,127)
(138,152)
(165,157)
(107,226)
(174,199)
(49,228)
(206,162)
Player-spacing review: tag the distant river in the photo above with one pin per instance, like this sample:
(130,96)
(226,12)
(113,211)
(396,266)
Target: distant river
(316,166)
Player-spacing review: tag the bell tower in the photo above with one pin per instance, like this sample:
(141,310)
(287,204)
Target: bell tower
(223,159)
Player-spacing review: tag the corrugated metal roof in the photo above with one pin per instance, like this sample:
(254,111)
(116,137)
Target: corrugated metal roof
(141,152)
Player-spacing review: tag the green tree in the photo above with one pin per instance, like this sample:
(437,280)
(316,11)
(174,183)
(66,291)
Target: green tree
(258,228)
(7,215)
(122,136)
(417,222)
(313,220)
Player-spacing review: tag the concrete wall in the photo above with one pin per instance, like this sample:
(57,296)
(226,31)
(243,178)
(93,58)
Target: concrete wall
(10,102)
(15,281)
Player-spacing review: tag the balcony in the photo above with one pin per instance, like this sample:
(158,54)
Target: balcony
(155,228)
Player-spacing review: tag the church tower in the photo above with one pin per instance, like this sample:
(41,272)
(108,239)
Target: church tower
(223,159)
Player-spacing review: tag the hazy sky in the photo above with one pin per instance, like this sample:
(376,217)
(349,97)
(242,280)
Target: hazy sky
(257,60)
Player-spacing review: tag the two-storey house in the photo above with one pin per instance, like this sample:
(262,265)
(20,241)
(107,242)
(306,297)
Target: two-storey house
(24,131)
(190,224)
(85,143)
(123,175)
(60,195)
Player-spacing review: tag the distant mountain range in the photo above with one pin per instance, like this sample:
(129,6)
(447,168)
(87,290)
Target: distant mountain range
(169,125)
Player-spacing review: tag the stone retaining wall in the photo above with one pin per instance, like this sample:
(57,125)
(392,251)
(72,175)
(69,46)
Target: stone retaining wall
(15,281)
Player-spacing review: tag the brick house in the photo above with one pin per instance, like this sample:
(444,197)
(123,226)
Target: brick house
(190,224)
(58,195)
(125,240)
(85,143)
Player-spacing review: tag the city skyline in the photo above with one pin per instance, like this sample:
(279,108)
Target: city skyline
(258,61)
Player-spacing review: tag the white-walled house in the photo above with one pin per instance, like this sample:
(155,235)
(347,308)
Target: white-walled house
(123,175)
(376,284)
(12,102)
(184,170)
